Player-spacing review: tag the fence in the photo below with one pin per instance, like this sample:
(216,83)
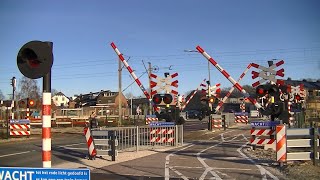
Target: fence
(146,137)
(300,144)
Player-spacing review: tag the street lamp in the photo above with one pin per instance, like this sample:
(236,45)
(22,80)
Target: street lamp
(190,51)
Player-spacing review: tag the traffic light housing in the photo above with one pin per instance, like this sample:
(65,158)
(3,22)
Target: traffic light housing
(31,102)
(156,99)
(212,99)
(35,59)
(271,89)
(165,98)
(23,103)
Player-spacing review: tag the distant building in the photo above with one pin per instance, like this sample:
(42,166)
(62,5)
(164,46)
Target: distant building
(103,103)
(312,100)
(60,100)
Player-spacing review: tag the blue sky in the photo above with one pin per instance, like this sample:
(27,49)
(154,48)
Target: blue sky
(235,33)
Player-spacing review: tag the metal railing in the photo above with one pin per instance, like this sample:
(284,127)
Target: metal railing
(146,137)
(305,138)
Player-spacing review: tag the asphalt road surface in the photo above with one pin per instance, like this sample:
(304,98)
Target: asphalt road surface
(28,153)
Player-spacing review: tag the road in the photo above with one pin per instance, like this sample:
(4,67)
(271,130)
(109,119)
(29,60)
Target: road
(28,153)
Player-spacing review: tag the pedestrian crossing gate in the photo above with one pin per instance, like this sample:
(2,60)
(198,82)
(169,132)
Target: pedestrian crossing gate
(263,134)
(216,121)
(151,118)
(105,142)
(163,134)
(303,144)
(241,117)
(20,127)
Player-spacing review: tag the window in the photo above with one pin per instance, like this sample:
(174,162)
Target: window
(63,98)
(56,98)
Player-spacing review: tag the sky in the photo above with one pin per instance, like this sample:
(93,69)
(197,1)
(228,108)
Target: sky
(235,33)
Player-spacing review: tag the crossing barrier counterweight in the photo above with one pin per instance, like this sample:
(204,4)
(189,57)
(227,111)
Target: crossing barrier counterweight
(226,74)
(91,149)
(281,145)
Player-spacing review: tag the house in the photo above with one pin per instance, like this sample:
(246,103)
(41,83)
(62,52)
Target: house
(312,100)
(60,100)
(103,103)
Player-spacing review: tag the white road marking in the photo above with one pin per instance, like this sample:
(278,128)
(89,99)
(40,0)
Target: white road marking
(72,145)
(263,171)
(86,149)
(201,160)
(179,173)
(13,154)
(188,167)
(166,166)
(221,133)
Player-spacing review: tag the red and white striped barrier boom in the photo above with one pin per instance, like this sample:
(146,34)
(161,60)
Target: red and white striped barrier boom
(194,92)
(234,83)
(267,73)
(46,129)
(130,70)
(231,90)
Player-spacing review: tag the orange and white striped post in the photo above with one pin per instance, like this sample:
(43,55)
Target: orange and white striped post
(46,121)
(281,145)
(46,129)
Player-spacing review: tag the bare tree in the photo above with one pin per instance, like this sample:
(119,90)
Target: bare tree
(1,95)
(54,92)
(28,88)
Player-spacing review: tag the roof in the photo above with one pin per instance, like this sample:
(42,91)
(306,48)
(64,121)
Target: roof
(310,85)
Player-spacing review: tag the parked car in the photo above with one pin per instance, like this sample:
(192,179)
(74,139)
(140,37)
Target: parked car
(194,114)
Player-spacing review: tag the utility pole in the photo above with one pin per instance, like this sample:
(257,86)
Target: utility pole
(120,106)
(149,73)
(13,83)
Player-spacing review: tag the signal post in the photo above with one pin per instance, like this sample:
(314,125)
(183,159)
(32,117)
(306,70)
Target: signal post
(34,61)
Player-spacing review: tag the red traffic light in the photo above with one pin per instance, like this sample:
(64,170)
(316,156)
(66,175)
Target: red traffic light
(167,98)
(157,99)
(261,91)
(298,98)
(270,89)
